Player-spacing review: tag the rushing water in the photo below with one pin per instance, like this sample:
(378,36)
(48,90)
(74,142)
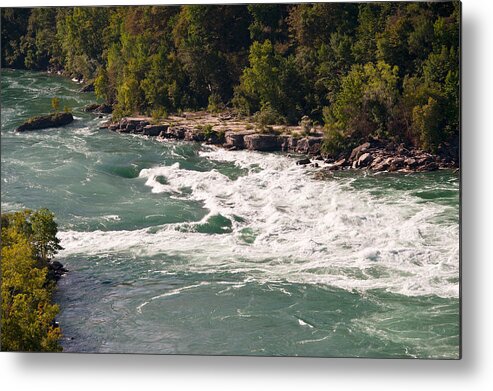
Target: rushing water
(180,248)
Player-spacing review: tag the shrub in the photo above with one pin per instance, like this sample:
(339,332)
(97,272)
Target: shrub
(335,142)
(55,104)
(159,114)
(268,116)
(215,103)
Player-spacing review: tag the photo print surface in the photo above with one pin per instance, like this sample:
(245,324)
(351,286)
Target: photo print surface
(259,179)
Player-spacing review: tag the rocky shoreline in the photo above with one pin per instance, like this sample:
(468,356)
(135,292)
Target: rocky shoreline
(232,133)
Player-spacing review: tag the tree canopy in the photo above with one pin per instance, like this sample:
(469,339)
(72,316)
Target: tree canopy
(28,243)
(388,69)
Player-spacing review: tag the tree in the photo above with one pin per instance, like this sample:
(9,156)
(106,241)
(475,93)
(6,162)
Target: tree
(366,102)
(44,230)
(27,320)
(269,80)
(334,62)
(40,46)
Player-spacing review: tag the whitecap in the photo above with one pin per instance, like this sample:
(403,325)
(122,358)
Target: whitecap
(303,230)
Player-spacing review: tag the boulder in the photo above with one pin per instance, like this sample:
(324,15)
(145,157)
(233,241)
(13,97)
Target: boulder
(262,142)
(410,162)
(54,120)
(432,166)
(195,135)
(395,164)
(91,107)
(55,271)
(381,164)
(358,151)
(402,150)
(303,162)
(309,145)
(154,130)
(338,164)
(177,132)
(56,265)
(423,159)
(341,162)
(365,160)
(99,109)
(105,109)
(129,128)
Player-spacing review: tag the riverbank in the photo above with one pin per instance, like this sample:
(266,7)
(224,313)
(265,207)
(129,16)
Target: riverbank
(235,133)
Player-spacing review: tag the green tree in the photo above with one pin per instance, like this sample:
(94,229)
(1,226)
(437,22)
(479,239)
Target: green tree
(284,60)
(27,320)
(14,22)
(40,45)
(269,81)
(44,231)
(366,102)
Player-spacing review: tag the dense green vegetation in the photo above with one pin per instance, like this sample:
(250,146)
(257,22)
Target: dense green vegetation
(28,242)
(388,69)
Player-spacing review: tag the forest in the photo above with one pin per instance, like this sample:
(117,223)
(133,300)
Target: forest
(389,69)
(28,315)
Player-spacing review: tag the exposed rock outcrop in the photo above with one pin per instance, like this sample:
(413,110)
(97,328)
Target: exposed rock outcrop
(103,108)
(55,270)
(262,142)
(373,154)
(308,145)
(236,139)
(303,162)
(53,120)
(154,130)
(377,155)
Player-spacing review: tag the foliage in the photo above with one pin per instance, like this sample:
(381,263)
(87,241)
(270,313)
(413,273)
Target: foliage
(55,104)
(269,81)
(373,66)
(28,242)
(268,116)
(159,114)
(365,104)
(215,104)
(207,129)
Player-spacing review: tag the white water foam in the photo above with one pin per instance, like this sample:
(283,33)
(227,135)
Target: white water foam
(306,230)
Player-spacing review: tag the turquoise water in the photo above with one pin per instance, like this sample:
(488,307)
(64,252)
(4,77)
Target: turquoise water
(179,248)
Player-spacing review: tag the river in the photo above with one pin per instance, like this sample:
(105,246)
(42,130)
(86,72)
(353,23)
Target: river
(181,248)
